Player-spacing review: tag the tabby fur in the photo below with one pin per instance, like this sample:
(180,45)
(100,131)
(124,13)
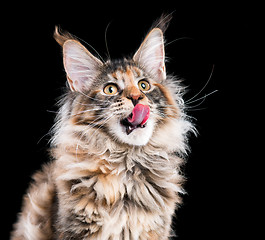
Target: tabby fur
(102,183)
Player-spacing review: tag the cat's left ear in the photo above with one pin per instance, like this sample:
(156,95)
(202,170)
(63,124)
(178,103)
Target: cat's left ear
(151,54)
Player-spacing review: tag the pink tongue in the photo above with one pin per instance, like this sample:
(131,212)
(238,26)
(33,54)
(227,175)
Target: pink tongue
(140,115)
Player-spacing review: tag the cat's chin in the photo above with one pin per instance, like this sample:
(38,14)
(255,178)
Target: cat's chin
(138,136)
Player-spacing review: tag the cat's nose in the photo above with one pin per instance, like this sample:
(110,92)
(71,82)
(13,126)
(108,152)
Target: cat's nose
(135,99)
(134,95)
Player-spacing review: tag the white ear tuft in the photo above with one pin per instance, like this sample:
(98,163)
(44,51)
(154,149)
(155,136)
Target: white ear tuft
(80,65)
(151,54)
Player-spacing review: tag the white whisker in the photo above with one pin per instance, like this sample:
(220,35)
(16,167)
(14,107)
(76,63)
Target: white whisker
(95,131)
(88,110)
(203,97)
(202,87)
(91,123)
(106,42)
(195,109)
(177,39)
(98,100)
(90,47)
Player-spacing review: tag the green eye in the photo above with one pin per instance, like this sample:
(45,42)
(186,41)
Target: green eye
(144,85)
(110,89)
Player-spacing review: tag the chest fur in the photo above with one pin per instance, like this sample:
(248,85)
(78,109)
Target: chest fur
(111,200)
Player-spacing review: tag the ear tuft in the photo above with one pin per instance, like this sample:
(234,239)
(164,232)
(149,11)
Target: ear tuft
(62,36)
(163,22)
(151,55)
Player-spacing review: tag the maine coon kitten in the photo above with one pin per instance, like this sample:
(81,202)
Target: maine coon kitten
(117,146)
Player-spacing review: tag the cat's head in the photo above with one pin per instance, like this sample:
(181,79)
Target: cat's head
(130,100)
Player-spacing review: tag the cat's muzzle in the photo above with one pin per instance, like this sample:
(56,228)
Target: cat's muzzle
(137,119)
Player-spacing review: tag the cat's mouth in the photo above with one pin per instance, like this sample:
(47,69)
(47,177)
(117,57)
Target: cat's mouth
(137,119)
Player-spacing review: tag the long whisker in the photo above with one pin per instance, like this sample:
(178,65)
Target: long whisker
(51,111)
(101,125)
(92,98)
(106,42)
(46,134)
(90,47)
(88,110)
(202,100)
(91,123)
(89,104)
(202,87)
(195,109)
(90,126)
(177,39)
(203,97)
(96,130)
(105,120)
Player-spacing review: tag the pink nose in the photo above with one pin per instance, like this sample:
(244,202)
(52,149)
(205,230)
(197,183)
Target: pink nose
(134,94)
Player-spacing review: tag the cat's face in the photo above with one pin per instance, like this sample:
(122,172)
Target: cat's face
(129,100)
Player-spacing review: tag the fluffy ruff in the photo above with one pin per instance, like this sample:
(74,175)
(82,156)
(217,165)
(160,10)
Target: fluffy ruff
(104,190)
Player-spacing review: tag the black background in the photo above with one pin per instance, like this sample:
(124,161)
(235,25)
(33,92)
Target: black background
(215,39)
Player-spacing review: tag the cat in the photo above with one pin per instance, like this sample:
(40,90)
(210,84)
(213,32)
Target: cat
(117,148)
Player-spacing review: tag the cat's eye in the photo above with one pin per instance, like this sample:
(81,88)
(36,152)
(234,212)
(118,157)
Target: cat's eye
(110,89)
(144,85)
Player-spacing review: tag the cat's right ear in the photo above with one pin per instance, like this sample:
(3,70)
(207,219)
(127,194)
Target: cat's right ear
(80,65)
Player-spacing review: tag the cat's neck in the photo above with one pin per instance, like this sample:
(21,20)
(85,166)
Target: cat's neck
(74,149)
